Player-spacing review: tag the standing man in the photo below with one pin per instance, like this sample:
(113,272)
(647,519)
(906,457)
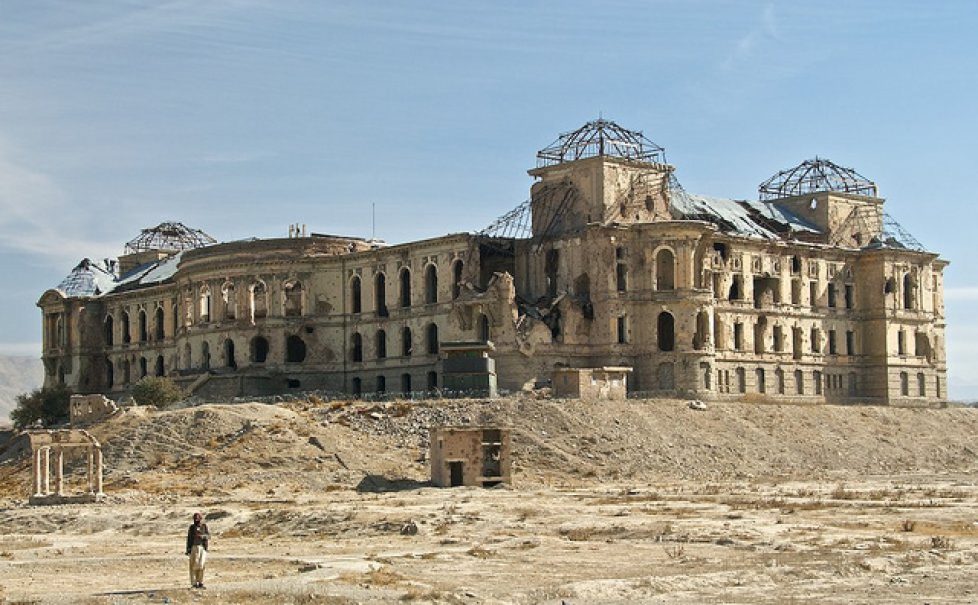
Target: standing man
(197,541)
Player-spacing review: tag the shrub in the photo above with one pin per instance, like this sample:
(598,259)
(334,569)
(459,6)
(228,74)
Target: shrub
(156,390)
(48,404)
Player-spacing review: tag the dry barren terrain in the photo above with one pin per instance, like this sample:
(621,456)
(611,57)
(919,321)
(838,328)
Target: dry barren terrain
(613,502)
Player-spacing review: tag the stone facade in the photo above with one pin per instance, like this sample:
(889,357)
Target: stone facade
(809,297)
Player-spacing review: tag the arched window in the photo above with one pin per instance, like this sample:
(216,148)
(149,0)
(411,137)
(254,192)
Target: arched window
(126,372)
(405,287)
(109,373)
(160,369)
(295,349)
(293,299)
(907,291)
(701,338)
(431,338)
(381,344)
(259,300)
(205,356)
(229,360)
(159,324)
(406,383)
(356,347)
(126,337)
(621,270)
(430,285)
(484,328)
(356,298)
(380,294)
(407,344)
(188,356)
(665,270)
(143,330)
(666,331)
(259,349)
(456,278)
(230,300)
(109,330)
(143,367)
(205,304)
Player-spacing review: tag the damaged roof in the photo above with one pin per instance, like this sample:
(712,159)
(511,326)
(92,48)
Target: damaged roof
(89,279)
(756,219)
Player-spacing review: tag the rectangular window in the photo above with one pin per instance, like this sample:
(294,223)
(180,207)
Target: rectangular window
(850,342)
(849,296)
(901,343)
(622,330)
(813,294)
(817,380)
(739,336)
(831,295)
(832,342)
(814,337)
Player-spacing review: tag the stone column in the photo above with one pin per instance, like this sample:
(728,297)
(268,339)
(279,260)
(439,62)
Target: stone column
(59,469)
(98,471)
(91,469)
(46,470)
(37,471)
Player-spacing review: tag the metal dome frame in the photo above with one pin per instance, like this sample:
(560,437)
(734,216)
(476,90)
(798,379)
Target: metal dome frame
(169,235)
(811,176)
(601,138)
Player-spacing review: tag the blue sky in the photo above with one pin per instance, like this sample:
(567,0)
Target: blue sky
(240,117)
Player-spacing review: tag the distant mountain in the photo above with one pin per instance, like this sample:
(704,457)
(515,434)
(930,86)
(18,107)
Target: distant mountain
(17,375)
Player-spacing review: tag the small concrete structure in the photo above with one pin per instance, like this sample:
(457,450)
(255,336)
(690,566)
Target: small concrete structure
(605,383)
(43,443)
(467,368)
(86,409)
(470,455)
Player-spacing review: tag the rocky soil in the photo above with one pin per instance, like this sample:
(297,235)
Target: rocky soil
(612,502)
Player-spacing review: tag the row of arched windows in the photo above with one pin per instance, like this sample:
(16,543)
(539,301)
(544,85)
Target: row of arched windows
(143,328)
(405,297)
(407,343)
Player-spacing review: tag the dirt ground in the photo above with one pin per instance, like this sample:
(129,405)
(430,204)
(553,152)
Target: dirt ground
(634,502)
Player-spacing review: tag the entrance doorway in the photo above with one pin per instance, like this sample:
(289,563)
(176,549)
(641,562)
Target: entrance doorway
(455,471)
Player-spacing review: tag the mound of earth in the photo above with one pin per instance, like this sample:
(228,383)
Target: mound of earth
(289,449)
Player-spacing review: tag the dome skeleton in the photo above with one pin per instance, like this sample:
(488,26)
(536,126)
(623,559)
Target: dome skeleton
(815,175)
(169,236)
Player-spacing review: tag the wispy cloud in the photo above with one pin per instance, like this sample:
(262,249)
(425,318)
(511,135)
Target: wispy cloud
(124,21)
(20,349)
(37,216)
(766,27)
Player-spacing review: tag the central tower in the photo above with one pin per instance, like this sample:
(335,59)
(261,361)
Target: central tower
(600,173)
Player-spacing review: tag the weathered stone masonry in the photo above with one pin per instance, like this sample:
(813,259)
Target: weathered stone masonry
(811,294)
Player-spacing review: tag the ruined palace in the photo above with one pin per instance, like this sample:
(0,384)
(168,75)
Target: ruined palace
(809,293)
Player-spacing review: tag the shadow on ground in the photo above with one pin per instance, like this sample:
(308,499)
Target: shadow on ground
(379,484)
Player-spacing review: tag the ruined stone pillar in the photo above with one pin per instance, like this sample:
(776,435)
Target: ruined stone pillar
(36,458)
(46,469)
(59,469)
(98,471)
(91,469)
